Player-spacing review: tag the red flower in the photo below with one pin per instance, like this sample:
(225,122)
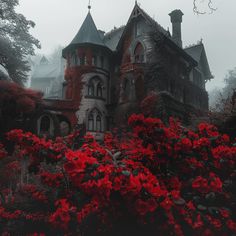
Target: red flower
(166,204)
(225,213)
(231,225)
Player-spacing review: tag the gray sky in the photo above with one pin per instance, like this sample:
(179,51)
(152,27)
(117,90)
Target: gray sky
(57,22)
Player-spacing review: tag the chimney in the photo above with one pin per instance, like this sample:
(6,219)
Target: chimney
(176,20)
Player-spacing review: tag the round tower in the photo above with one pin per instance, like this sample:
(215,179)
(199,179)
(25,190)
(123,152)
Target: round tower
(87,76)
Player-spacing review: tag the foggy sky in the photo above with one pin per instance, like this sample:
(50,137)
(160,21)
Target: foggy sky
(58,21)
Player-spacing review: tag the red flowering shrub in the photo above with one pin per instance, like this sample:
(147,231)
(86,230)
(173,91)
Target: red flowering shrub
(155,180)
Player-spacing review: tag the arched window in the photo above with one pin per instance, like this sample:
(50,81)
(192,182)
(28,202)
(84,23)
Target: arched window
(91,89)
(139,54)
(95,121)
(45,124)
(95,87)
(90,122)
(64,128)
(98,123)
(99,89)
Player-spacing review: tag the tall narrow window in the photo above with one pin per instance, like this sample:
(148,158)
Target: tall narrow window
(91,89)
(83,60)
(45,124)
(94,60)
(75,59)
(102,61)
(98,123)
(99,90)
(90,122)
(139,54)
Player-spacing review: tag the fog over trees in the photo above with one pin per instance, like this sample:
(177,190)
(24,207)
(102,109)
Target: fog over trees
(16,43)
(218,96)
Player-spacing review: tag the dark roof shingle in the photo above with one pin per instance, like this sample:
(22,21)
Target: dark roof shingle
(88,33)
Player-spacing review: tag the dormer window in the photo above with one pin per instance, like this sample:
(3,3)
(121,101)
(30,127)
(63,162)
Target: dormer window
(139,54)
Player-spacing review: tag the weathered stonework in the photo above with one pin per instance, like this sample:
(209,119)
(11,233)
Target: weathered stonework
(108,75)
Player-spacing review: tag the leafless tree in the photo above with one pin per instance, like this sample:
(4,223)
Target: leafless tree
(209,3)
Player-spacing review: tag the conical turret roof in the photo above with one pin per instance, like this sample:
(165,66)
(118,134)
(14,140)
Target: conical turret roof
(88,33)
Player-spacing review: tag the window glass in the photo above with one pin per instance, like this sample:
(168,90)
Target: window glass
(45,124)
(94,60)
(98,123)
(139,53)
(90,123)
(99,90)
(91,89)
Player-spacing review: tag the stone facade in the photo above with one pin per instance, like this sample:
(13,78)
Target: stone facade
(108,75)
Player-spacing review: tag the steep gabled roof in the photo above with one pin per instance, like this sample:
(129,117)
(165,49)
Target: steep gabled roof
(44,61)
(47,70)
(88,33)
(198,53)
(139,11)
(112,38)
(195,51)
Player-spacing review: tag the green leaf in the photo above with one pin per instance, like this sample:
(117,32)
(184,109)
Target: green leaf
(126,172)
(201,207)
(135,172)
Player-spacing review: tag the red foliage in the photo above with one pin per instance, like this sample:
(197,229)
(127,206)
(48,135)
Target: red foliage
(148,104)
(161,178)
(24,99)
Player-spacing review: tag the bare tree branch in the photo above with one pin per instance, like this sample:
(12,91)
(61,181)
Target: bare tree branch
(209,4)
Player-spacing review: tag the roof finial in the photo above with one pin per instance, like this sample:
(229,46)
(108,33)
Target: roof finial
(136,2)
(89,5)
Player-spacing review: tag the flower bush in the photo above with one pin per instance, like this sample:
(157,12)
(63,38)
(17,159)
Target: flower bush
(153,180)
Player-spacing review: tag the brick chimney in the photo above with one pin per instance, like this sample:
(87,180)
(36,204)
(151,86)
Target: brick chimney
(176,20)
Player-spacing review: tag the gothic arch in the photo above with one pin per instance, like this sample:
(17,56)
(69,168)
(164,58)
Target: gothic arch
(138,44)
(95,120)
(45,125)
(139,53)
(95,87)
